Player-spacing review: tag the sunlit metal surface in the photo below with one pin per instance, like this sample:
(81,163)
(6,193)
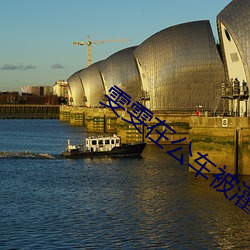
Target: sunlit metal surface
(76,91)
(236,18)
(234,28)
(120,69)
(92,85)
(181,67)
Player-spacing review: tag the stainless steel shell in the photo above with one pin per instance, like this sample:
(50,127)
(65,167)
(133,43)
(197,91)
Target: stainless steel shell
(181,67)
(236,18)
(75,89)
(120,69)
(93,85)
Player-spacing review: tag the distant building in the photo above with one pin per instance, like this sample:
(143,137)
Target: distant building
(38,95)
(47,90)
(30,90)
(37,90)
(9,97)
(60,88)
(40,100)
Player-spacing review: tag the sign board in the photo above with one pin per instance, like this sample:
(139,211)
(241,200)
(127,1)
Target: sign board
(224,123)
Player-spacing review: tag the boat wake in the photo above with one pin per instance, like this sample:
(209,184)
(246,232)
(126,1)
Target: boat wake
(26,154)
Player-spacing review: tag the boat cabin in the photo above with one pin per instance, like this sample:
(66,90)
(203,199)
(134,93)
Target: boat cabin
(105,143)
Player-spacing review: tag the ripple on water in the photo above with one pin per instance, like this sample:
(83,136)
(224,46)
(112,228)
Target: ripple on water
(151,202)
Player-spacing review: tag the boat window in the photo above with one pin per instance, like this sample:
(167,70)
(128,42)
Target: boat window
(100,142)
(117,141)
(112,141)
(93,142)
(107,142)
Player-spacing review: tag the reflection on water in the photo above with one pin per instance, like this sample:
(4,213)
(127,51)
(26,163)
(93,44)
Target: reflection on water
(108,203)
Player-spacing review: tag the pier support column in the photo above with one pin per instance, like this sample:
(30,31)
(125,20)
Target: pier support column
(77,117)
(244,150)
(64,113)
(225,140)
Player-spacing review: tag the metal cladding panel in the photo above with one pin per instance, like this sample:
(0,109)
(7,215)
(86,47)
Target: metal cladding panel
(236,18)
(76,89)
(182,67)
(93,85)
(120,69)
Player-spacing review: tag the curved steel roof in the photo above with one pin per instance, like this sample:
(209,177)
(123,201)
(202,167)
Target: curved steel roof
(92,85)
(236,18)
(181,67)
(120,69)
(75,88)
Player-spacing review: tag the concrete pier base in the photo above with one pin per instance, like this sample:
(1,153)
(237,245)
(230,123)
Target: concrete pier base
(76,118)
(225,140)
(64,113)
(103,120)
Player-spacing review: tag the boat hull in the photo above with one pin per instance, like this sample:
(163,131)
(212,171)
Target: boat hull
(126,150)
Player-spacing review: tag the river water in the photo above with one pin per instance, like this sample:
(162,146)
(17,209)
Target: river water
(150,203)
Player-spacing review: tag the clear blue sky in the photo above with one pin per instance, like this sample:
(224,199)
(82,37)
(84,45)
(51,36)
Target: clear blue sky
(36,35)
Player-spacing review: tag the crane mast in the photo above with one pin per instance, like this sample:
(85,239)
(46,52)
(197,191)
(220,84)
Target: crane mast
(89,43)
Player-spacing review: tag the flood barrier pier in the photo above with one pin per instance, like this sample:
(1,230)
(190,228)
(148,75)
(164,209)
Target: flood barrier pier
(103,120)
(226,140)
(26,111)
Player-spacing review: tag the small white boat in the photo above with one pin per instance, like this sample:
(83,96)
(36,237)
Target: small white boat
(103,146)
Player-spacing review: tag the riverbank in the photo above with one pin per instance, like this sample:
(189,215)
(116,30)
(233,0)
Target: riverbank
(26,111)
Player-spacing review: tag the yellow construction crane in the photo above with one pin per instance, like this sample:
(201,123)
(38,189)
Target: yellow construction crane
(89,43)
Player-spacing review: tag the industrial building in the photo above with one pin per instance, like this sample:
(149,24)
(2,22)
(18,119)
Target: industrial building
(179,68)
(9,97)
(37,90)
(60,89)
(40,95)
